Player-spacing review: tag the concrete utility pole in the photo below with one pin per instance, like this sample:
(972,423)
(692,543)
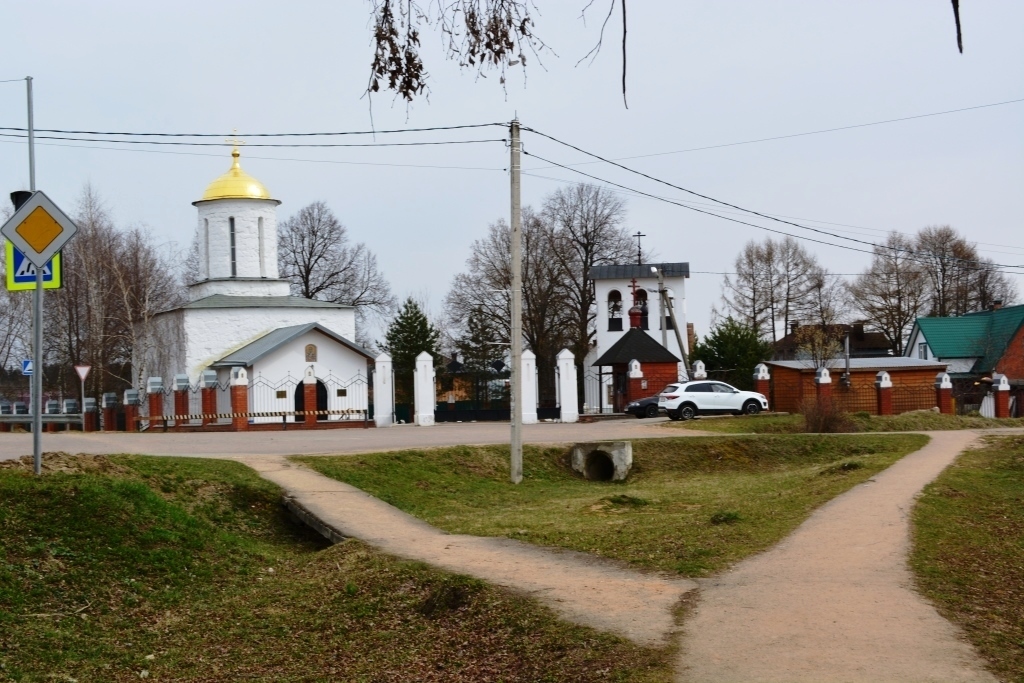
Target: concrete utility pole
(672,316)
(37,310)
(516,459)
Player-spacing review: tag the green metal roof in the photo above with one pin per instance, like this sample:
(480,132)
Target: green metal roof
(983,335)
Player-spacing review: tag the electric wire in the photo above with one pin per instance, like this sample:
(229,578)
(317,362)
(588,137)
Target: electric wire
(812,132)
(729,204)
(910,255)
(12,80)
(253,156)
(259,135)
(256,144)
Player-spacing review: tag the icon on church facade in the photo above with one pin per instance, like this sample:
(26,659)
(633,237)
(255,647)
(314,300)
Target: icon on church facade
(310,353)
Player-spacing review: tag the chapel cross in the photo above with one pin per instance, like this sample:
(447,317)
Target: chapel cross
(234,141)
(639,257)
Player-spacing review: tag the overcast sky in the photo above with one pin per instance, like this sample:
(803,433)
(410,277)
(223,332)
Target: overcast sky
(700,74)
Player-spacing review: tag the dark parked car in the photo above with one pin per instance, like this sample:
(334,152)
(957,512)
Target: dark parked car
(645,407)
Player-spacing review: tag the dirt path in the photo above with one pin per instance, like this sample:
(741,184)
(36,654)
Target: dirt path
(834,601)
(579,587)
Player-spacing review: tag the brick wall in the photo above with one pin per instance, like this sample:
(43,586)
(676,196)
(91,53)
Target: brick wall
(1012,362)
(656,375)
(912,389)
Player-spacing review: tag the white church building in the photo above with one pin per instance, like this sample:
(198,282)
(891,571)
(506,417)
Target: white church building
(240,313)
(616,288)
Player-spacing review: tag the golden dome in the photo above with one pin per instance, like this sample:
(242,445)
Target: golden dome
(236,184)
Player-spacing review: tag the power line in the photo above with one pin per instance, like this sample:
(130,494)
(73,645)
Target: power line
(632,194)
(13,80)
(996,266)
(812,132)
(257,144)
(258,135)
(725,203)
(249,156)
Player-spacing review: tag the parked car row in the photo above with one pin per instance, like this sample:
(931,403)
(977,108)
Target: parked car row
(687,400)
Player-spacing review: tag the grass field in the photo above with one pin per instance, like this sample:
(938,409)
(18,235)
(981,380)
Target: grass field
(862,422)
(969,550)
(121,568)
(692,505)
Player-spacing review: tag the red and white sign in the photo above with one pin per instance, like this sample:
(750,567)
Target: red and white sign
(83,371)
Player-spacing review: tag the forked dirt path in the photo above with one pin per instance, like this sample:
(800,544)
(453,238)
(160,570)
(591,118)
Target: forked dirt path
(834,601)
(579,587)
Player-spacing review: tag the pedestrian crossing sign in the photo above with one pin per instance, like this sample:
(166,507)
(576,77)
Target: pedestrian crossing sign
(21,273)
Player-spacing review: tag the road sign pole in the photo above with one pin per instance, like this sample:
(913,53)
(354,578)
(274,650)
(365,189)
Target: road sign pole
(37,310)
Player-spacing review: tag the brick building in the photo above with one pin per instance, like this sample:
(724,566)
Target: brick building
(976,346)
(640,366)
(913,383)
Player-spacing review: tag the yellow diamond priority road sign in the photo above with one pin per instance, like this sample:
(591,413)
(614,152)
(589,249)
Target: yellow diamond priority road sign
(39,229)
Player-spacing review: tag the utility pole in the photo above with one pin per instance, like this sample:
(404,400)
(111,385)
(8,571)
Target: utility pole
(516,459)
(672,316)
(37,311)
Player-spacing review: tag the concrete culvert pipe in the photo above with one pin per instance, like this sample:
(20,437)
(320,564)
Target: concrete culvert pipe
(599,466)
(602,460)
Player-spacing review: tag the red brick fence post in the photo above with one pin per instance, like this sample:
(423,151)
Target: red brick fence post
(763,381)
(883,391)
(822,386)
(944,393)
(181,389)
(155,395)
(131,410)
(239,399)
(109,404)
(89,415)
(309,397)
(1001,389)
(208,394)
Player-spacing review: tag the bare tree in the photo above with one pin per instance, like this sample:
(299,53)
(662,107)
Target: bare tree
(746,295)
(483,290)
(316,254)
(826,298)
(960,281)
(892,292)
(478,34)
(585,225)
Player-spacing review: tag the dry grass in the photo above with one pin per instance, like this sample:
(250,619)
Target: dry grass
(969,550)
(692,505)
(190,570)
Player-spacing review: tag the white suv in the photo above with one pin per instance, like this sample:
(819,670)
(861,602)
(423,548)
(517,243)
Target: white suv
(686,400)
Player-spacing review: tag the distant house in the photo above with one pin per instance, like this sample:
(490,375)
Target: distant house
(862,344)
(975,346)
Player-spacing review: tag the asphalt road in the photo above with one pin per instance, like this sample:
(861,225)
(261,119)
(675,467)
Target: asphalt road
(330,441)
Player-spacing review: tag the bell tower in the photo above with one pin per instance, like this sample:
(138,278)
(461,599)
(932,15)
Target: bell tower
(237,235)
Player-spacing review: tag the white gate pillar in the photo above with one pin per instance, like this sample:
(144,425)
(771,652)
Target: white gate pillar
(529,387)
(383,391)
(424,395)
(567,386)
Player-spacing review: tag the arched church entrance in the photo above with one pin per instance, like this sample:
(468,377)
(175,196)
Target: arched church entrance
(300,400)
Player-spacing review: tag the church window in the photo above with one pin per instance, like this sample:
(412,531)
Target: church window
(206,247)
(614,311)
(263,267)
(342,393)
(310,353)
(641,300)
(231,233)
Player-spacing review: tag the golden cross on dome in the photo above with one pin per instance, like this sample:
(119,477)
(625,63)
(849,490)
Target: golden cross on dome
(235,142)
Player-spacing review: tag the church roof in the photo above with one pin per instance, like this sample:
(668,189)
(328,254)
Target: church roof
(271,341)
(236,184)
(631,270)
(227,301)
(636,345)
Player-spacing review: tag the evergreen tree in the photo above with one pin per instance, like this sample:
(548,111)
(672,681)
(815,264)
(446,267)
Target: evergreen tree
(409,335)
(730,353)
(481,344)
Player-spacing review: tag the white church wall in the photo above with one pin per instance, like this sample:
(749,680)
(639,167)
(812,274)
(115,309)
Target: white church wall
(239,287)
(337,366)
(215,246)
(677,288)
(212,333)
